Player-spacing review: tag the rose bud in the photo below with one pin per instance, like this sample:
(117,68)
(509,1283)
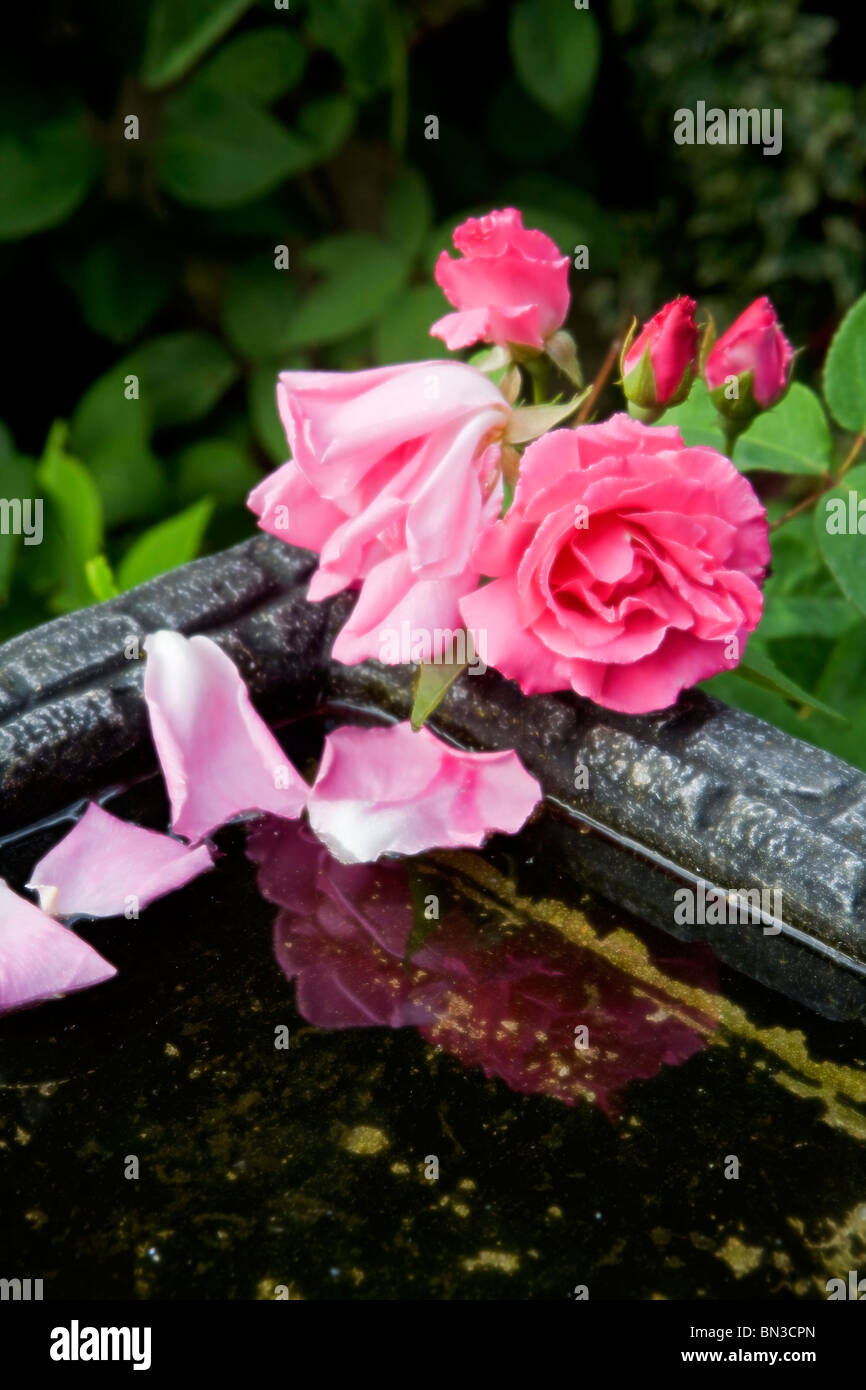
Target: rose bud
(510,286)
(658,367)
(756,353)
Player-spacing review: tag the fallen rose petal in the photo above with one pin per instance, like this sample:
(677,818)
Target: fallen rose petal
(218,756)
(395,791)
(103,861)
(39,958)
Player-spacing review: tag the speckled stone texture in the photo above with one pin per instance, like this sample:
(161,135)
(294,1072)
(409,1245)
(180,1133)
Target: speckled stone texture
(717,793)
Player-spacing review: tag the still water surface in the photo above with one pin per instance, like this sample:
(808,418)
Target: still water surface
(457,1078)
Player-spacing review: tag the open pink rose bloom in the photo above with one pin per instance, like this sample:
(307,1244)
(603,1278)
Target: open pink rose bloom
(627,568)
(393,474)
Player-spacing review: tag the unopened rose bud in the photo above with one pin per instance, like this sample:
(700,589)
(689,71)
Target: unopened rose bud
(510,285)
(749,367)
(658,367)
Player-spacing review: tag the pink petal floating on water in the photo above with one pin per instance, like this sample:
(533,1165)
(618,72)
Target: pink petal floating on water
(103,861)
(40,958)
(395,791)
(218,756)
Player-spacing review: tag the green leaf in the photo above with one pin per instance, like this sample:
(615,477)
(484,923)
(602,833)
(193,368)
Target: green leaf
(181,376)
(76,518)
(422,925)
(100,579)
(809,617)
(111,434)
(164,547)
(529,421)
(403,332)
(263,65)
(844,550)
(45,172)
(120,284)
(843,684)
(797,564)
(262,400)
(562,351)
(218,149)
(258,308)
(324,126)
(556,50)
(180,31)
(408,211)
(757,666)
(17,481)
(105,410)
(522,133)
(697,420)
(219,468)
(432,683)
(845,370)
(129,476)
(356,33)
(793,437)
(360,274)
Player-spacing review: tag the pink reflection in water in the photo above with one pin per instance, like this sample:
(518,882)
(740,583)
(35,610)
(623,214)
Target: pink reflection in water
(509,1005)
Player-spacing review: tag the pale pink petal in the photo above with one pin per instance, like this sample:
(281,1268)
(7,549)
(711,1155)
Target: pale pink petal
(461,330)
(396,614)
(290,509)
(103,861)
(39,958)
(217,754)
(395,791)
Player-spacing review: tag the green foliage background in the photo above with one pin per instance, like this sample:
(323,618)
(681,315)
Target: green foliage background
(304,126)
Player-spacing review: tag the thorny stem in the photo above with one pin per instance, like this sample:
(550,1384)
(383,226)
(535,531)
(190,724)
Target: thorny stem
(831,482)
(600,381)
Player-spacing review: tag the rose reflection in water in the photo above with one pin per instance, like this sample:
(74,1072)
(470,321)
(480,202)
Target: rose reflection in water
(509,1005)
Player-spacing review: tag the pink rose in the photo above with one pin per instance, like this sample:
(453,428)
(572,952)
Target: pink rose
(397,791)
(510,287)
(659,366)
(627,567)
(754,346)
(393,473)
